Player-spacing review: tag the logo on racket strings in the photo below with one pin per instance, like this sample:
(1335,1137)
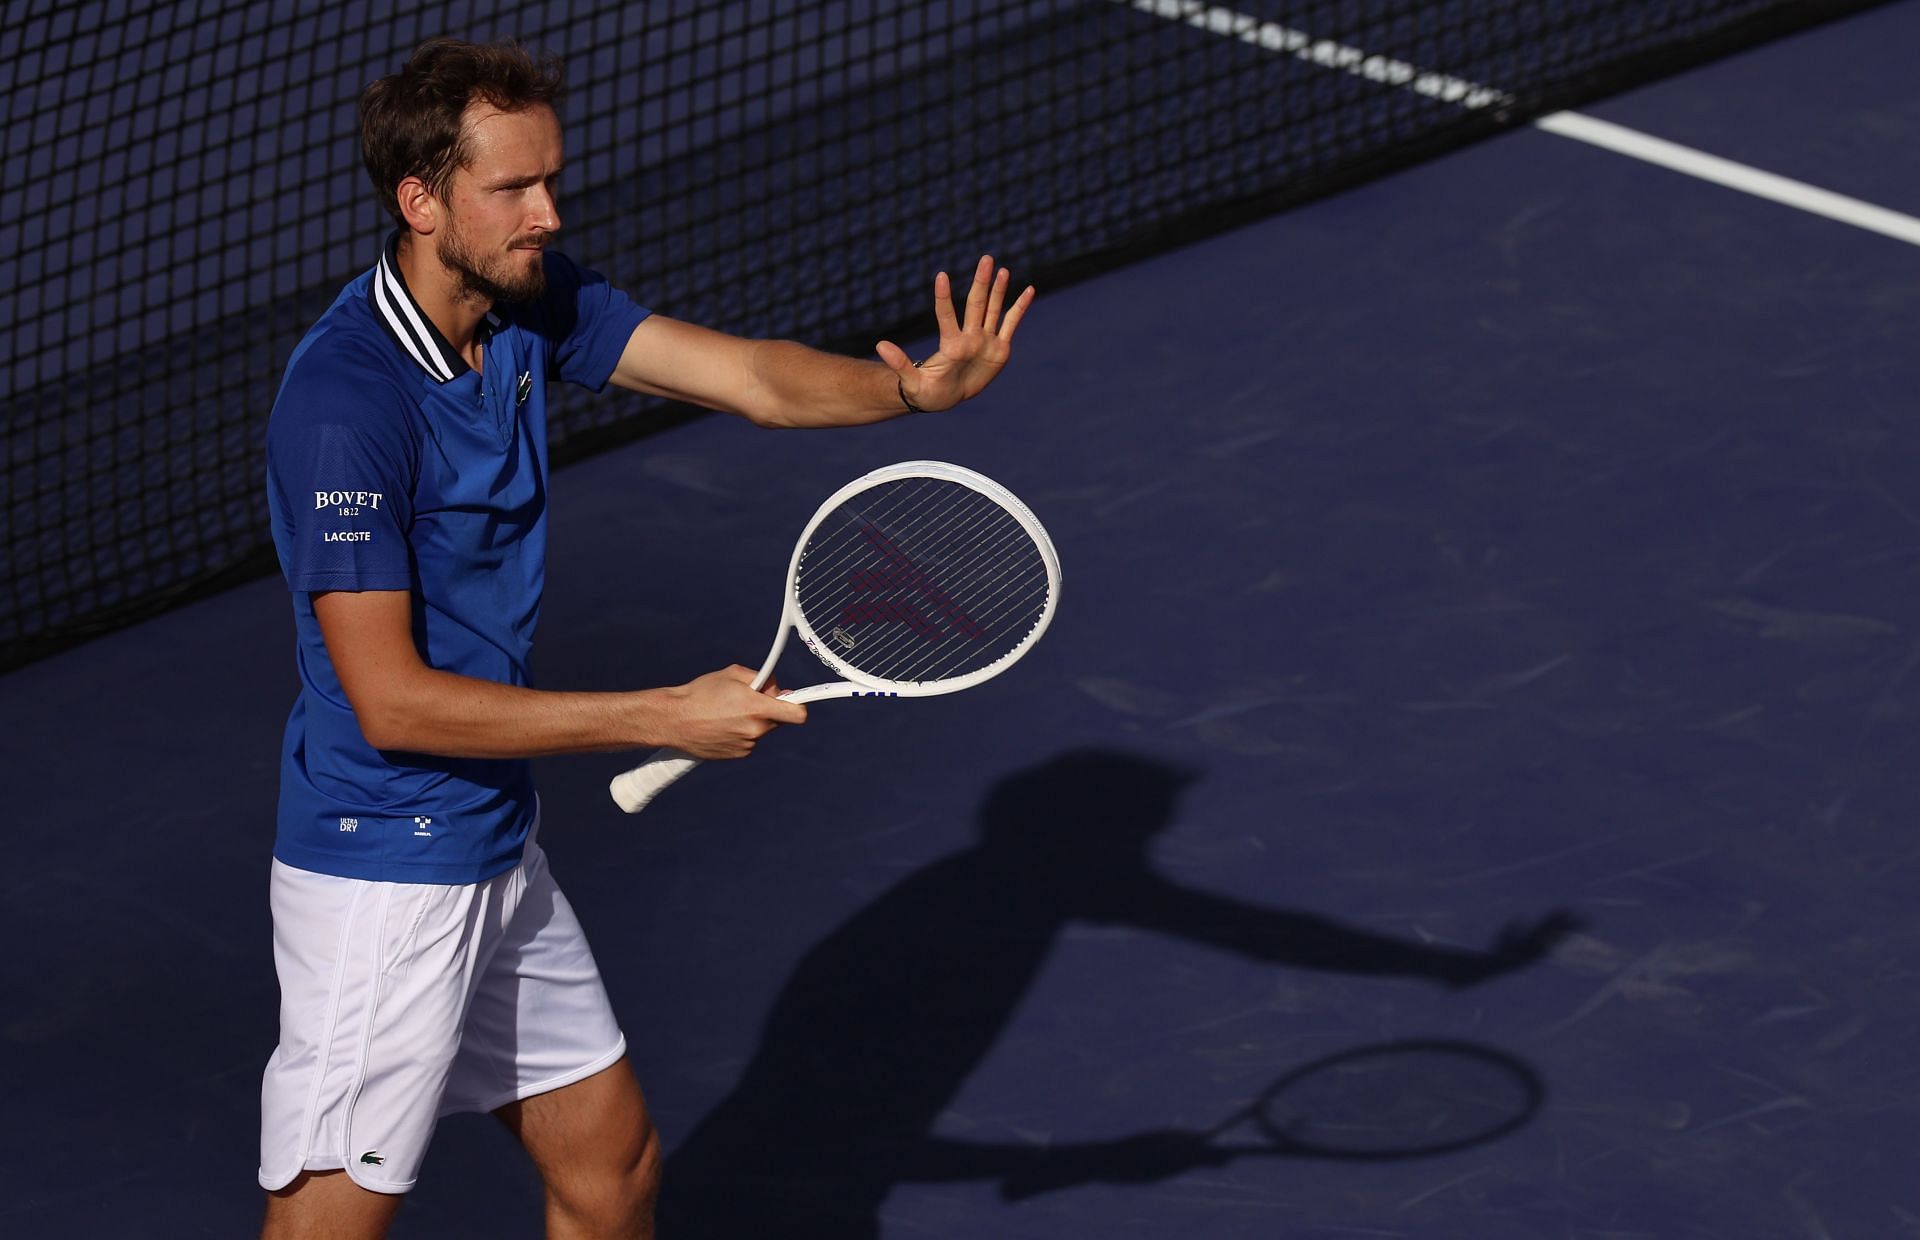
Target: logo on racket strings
(878,597)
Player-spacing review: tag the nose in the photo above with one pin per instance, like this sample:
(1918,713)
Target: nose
(545,213)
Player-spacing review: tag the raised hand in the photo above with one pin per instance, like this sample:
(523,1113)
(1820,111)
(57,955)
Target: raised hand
(972,349)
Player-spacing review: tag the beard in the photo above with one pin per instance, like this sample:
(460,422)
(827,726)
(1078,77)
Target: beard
(497,279)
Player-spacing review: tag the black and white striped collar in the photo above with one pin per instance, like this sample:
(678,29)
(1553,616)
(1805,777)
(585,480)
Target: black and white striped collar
(408,324)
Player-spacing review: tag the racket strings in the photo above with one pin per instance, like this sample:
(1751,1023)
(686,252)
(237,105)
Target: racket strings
(978,554)
(852,555)
(994,563)
(901,666)
(891,540)
(910,523)
(969,560)
(830,549)
(921,579)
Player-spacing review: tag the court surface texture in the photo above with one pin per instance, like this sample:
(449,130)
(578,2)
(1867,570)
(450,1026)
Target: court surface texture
(1529,534)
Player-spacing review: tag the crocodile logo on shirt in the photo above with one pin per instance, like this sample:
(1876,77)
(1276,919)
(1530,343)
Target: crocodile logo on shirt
(372,1157)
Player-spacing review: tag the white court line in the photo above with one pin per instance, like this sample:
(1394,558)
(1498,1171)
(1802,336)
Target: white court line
(1274,37)
(1633,143)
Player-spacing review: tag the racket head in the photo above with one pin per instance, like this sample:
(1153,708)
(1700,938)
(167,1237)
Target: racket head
(921,578)
(1394,1100)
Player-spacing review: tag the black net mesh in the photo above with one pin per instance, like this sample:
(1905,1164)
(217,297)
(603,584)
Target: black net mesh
(183,195)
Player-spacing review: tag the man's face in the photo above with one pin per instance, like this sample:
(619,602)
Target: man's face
(501,209)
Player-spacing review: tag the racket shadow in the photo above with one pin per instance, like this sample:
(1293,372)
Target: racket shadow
(881,1023)
(1389,1102)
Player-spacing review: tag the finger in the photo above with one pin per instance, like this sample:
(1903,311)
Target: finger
(1014,315)
(996,299)
(894,356)
(943,305)
(976,299)
(790,713)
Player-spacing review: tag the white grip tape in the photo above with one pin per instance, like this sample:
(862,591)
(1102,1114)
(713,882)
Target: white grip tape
(632,790)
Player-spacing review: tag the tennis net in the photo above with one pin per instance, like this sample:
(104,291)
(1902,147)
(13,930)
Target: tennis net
(183,195)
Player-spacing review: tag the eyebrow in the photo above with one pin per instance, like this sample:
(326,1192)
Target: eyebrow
(521,182)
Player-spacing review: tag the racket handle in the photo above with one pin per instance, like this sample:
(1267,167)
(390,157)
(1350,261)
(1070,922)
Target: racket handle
(632,790)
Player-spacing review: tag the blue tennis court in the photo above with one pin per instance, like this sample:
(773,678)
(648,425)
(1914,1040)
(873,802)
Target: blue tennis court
(1524,539)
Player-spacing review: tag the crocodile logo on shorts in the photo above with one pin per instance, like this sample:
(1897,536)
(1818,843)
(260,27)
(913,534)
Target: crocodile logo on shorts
(372,1156)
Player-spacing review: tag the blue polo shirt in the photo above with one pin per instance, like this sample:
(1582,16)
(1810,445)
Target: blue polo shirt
(393,465)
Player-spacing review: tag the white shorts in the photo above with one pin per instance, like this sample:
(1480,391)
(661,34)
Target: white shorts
(403,1002)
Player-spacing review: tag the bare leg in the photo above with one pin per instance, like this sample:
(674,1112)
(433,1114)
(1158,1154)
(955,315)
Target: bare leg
(597,1153)
(326,1205)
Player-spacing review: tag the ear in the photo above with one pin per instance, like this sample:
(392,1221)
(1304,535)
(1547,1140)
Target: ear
(418,207)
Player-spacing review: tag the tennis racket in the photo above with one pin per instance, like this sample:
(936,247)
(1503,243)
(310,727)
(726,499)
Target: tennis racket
(917,579)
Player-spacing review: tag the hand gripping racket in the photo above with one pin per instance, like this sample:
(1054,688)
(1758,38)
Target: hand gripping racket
(918,579)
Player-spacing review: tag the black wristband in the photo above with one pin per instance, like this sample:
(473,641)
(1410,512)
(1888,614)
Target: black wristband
(911,407)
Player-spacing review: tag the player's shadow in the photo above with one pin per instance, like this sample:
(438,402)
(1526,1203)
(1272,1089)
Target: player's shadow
(882,1022)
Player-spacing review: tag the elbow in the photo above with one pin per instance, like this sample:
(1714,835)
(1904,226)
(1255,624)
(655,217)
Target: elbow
(765,396)
(384,723)
(381,730)
(772,419)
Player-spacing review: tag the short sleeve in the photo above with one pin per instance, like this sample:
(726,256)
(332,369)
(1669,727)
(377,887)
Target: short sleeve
(340,471)
(589,320)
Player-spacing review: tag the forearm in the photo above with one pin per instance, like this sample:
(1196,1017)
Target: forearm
(434,712)
(780,383)
(796,386)
(400,702)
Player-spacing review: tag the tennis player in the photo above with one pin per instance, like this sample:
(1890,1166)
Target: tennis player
(427,962)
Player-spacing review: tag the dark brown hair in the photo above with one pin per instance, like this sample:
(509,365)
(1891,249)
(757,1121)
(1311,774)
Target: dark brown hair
(410,122)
